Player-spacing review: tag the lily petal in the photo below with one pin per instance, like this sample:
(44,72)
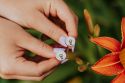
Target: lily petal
(109,65)
(108,43)
(120,78)
(123,32)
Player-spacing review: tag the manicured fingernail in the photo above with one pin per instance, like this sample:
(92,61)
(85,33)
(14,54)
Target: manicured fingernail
(62,41)
(64,61)
(73,48)
(70,41)
(60,54)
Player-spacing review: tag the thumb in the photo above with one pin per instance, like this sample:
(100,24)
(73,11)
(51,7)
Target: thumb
(29,68)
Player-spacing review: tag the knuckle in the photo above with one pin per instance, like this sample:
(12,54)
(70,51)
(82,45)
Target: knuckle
(52,32)
(33,21)
(30,22)
(39,73)
(43,45)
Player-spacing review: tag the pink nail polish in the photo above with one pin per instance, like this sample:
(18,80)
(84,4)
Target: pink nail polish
(62,41)
(55,50)
(70,41)
(64,61)
(60,54)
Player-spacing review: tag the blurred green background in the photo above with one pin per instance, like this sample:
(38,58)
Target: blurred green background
(108,14)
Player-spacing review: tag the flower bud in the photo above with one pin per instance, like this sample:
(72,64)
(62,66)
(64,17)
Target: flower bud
(96,30)
(88,20)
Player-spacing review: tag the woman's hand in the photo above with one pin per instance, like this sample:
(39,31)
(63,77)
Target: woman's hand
(34,14)
(13,42)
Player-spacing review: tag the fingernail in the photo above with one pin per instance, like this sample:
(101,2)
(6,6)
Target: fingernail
(60,54)
(62,41)
(73,48)
(70,41)
(64,61)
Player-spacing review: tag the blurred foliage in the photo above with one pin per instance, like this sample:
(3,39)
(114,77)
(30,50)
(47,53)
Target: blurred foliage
(106,13)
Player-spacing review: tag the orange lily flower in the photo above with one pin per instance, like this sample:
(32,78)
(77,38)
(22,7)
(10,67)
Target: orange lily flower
(114,62)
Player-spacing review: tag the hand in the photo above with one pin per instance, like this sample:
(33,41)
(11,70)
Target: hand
(34,14)
(13,42)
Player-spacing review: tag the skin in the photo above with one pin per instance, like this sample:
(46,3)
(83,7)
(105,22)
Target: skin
(12,63)
(31,14)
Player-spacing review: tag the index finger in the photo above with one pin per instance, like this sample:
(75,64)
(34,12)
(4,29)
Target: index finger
(68,17)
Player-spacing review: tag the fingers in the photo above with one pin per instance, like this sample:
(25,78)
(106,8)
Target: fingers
(45,26)
(25,77)
(19,77)
(65,14)
(36,46)
(28,68)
